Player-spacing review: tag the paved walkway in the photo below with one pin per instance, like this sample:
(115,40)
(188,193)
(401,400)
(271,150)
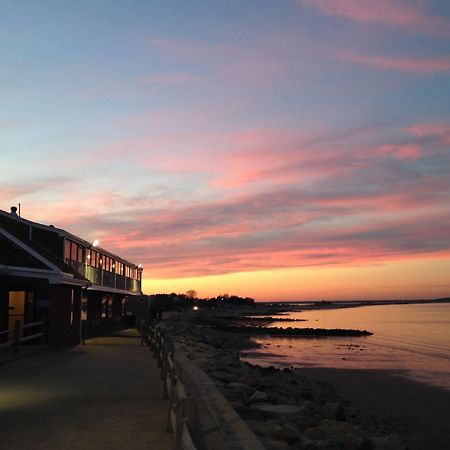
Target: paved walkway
(105,395)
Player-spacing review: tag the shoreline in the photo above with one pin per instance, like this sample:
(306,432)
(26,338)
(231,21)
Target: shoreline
(419,411)
(372,409)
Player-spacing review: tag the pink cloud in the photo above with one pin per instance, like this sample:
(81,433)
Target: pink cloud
(292,198)
(394,13)
(414,65)
(437,130)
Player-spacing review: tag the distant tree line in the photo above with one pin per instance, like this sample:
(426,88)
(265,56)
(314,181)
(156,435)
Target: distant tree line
(189,299)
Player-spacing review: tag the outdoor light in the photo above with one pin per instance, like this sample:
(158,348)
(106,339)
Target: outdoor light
(88,256)
(95,243)
(195,308)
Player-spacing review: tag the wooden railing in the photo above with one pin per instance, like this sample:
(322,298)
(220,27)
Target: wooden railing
(18,337)
(198,415)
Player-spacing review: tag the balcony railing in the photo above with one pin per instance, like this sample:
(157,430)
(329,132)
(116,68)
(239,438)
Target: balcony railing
(102,277)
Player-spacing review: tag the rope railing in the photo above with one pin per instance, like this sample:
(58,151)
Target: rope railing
(198,415)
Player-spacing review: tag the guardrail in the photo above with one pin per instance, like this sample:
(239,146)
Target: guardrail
(18,338)
(198,415)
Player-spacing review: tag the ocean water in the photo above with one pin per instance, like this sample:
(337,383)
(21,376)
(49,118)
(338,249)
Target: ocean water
(411,339)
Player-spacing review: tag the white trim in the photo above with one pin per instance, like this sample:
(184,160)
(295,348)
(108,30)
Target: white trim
(28,249)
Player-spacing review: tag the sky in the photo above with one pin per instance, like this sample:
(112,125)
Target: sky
(277,149)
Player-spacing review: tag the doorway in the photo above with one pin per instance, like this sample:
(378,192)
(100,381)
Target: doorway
(20,307)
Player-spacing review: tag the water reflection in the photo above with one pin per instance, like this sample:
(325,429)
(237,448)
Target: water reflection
(412,338)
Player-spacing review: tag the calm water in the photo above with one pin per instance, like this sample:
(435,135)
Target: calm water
(414,339)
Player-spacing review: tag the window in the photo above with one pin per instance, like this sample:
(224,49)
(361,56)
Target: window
(80,254)
(73,251)
(67,250)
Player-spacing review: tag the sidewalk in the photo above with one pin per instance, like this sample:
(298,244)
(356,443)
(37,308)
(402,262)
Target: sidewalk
(105,395)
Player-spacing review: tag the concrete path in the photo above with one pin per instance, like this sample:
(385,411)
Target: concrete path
(105,395)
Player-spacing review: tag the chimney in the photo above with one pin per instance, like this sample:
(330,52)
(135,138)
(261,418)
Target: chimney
(14,211)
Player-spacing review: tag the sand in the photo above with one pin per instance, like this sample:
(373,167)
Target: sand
(419,412)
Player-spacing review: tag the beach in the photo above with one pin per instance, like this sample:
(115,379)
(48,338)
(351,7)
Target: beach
(315,407)
(417,411)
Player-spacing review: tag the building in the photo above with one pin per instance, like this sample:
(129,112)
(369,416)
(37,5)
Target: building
(47,273)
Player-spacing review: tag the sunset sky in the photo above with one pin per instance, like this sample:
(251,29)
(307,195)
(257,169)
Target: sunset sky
(279,149)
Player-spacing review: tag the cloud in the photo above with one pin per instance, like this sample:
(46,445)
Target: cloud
(393,13)
(180,78)
(255,65)
(262,199)
(438,132)
(414,65)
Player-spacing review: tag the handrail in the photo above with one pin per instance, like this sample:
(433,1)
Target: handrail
(198,415)
(19,339)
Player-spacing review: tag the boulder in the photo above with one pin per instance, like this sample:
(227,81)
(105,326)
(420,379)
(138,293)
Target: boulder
(285,433)
(239,387)
(334,411)
(258,396)
(271,410)
(341,432)
(261,428)
(391,442)
(271,444)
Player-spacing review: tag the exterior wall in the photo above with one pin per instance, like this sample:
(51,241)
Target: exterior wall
(94,308)
(64,316)
(60,305)
(117,309)
(3,308)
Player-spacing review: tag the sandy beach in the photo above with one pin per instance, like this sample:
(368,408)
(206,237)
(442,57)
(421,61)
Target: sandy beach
(419,412)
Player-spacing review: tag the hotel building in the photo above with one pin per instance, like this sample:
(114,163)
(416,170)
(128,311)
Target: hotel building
(47,273)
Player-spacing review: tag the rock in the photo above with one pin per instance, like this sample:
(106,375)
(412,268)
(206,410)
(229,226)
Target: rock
(261,428)
(288,398)
(270,444)
(391,442)
(334,410)
(307,421)
(239,387)
(327,444)
(258,396)
(285,433)
(270,410)
(341,432)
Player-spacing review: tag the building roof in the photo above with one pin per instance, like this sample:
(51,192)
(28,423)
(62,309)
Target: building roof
(20,227)
(35,250)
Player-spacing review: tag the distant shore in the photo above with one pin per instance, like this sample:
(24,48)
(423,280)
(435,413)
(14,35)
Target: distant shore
(313,304)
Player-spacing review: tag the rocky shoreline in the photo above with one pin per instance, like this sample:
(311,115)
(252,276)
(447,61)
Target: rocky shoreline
(285,409)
